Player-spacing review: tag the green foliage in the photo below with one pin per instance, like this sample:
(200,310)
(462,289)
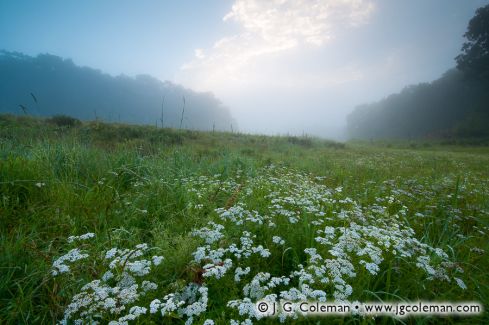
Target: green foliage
(64,121)
(474,59)
(133,184)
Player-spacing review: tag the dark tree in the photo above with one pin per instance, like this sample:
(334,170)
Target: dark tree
(474,59)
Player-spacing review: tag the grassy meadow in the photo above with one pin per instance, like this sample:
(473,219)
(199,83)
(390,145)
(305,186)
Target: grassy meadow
(105,223)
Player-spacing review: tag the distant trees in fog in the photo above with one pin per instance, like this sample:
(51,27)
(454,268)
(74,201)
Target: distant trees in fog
(455,105)
(48,85)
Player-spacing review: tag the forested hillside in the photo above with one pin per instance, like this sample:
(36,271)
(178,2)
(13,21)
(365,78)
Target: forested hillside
(48,85)
(455,105)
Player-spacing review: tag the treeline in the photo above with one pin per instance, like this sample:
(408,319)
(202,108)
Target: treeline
(455,105)
(48,85)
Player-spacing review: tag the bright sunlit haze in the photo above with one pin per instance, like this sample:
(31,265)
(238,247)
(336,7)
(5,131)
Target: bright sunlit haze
(297,67)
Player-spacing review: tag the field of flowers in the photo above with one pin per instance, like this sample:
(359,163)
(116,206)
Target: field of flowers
(99,229)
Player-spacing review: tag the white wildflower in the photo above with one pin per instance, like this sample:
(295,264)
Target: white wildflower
(157,260)
(217,271)
(239,272)
(278,240)
(107,276)
(460,283)
(73,255)
(148,286)
(88,235)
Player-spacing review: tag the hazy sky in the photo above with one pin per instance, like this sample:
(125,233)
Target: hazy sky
(280,66)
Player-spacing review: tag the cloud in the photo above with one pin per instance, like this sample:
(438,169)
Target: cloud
(289,22)
(269,29)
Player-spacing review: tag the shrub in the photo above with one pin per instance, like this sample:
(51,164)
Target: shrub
(64,121)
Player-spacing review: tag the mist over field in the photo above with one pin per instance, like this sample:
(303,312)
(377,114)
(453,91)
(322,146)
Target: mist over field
(244,162)
(273,67)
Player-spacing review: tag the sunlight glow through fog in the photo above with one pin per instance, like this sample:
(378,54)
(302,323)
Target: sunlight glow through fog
(281,66)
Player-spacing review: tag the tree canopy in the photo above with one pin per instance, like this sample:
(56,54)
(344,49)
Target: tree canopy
(474,59)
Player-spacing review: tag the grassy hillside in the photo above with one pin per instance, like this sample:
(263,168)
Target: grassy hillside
(180,226)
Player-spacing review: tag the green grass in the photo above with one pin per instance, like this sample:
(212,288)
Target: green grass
(139,184)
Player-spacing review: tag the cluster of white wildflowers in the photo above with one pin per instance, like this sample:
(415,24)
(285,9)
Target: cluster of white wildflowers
(86,236)
(258,288)
(278,240)
(282,235)
(238,214)
(113,298)
(187,303)
(61,264)
(210,235)
(219,260)
(348,239)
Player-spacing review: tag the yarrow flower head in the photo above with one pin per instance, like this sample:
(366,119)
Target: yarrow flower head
(86,236)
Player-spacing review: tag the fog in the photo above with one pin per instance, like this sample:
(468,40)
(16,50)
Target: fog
(282,67)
